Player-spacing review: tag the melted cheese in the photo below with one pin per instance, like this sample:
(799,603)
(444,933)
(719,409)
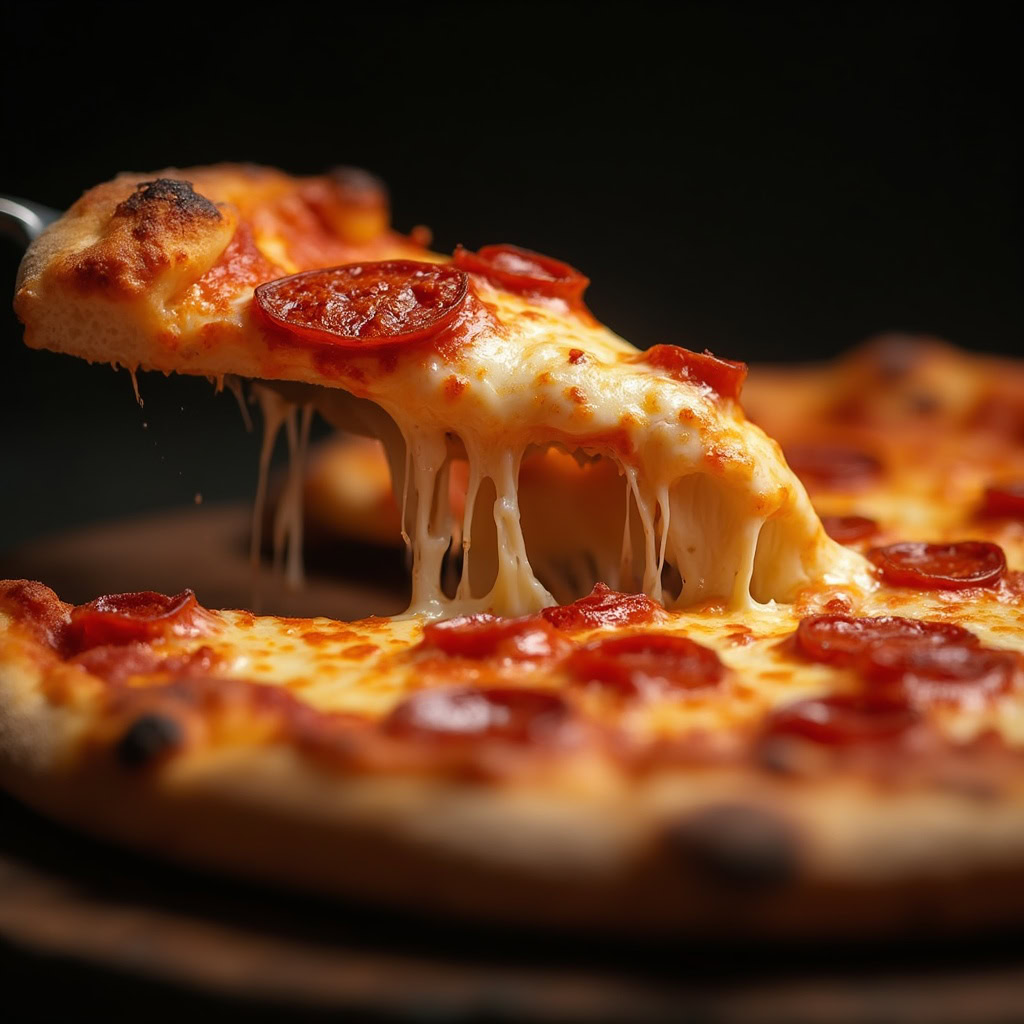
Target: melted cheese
(367,667)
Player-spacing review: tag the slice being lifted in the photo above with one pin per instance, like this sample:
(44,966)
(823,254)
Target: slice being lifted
(488,358)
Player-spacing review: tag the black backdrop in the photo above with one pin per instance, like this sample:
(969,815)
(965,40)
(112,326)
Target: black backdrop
(770,184)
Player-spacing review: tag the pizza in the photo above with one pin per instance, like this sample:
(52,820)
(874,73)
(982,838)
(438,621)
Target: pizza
(640,684)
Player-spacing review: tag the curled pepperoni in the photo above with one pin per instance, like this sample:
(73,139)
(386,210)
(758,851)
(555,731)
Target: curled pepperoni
(644,664)
(506,713)
(724,376)
(939,673)
(524,272)
(1004,500)
(849,529)
(844,639)
(123,618)
(364,305)
(967,563)
(484,636)
(843,719)
(603,607)
(832,465)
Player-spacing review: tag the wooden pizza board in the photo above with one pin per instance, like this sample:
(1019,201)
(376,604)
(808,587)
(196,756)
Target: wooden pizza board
(88,931)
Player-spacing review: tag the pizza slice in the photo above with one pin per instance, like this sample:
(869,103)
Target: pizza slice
(483,359)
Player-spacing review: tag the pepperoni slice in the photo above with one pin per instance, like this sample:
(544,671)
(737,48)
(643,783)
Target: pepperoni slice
(724,376)
(967,563)
(603,607)
(643,664)
(849,529)
(524,272)
(123,618)
(484,636)
(1004,500)
(844,639)
(843,719)
(364,305)
(940,673)
(832,465)
(506,713)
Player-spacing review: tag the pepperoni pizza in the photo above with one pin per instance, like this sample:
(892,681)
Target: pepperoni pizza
(638,685)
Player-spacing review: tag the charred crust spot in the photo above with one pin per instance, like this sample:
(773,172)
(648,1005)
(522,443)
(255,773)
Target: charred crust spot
(736,845)
(148,738)
(181,196)
(164,223)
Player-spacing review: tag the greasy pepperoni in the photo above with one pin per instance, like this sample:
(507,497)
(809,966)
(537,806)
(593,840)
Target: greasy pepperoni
(486,636)
(849,529)
(644,664)
(524,272)
(843,639)
(123,618)
(939,673)
(364,305)
(832,465)
(724,376)
(967,563)
(505,713)
(1004,500)
(37,608)
(603,607)
(843,719)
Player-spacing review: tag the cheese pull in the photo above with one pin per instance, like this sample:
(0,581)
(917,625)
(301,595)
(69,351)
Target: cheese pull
(490,360)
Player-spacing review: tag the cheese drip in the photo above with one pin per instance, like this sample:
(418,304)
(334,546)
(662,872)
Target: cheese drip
(278,411)
(547,534)
(684,539)
(662,485)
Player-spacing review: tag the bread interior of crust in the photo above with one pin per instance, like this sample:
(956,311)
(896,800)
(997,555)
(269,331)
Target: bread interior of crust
(526,541)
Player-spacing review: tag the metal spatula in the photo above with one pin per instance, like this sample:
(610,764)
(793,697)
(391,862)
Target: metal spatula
(24,221)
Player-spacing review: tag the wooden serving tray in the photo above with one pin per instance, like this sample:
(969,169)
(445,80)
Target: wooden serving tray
(88,930)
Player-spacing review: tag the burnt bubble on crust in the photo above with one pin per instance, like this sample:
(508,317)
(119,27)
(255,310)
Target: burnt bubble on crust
(179,194)
(736,845)
(148,738)
(163,229)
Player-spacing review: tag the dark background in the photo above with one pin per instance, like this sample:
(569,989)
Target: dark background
(773,185)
